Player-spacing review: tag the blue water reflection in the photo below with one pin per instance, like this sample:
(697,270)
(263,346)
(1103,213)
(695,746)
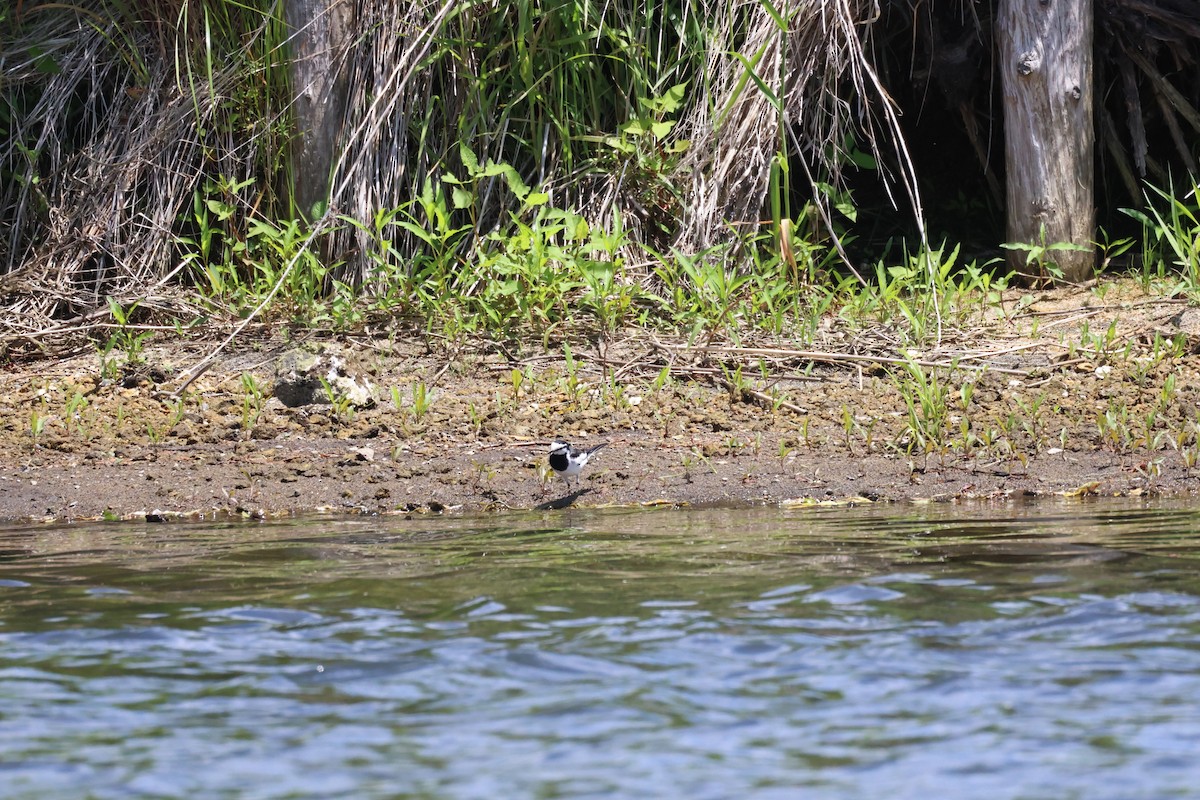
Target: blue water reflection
(1041,652)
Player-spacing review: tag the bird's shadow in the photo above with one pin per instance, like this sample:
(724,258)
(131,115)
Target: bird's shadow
(566,501)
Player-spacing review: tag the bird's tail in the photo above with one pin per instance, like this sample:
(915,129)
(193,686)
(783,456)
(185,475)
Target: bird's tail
(591,450)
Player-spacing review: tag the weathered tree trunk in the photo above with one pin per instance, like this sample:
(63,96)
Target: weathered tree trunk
(1046,66)
(320,32)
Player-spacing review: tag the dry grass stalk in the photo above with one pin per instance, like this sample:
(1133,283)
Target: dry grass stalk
(95,211)
(825,89)
(379,165)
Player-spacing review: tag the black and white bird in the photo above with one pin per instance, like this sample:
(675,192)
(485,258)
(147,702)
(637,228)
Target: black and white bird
(568,462)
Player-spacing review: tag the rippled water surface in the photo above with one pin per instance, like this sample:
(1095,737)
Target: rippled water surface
(1042,652)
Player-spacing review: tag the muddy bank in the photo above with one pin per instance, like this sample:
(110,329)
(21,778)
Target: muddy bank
(1076,394)
(264,480)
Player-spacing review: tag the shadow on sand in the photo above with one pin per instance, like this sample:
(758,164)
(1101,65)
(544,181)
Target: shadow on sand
(566,501)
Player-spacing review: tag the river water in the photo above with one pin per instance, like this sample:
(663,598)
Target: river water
(1048,651)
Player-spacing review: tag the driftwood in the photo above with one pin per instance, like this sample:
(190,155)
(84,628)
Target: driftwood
(1046,69)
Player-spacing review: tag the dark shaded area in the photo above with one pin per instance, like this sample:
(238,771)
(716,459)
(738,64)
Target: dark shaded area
(937,60)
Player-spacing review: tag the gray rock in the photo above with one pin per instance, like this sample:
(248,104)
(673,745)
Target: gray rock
(301,377)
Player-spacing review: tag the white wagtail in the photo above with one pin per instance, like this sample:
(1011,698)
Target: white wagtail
(568,462)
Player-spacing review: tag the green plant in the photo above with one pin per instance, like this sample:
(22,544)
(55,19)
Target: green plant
(475,418)
(804,432)
(1110,249)
(1031,419)
(735,383)
(609,300)
(1064,436)
(1174,233)
(73,413)
(177,412)
(1166,395)
(252,401)
(912,290)
(1150,470)
(616,394)
(926,402)
(691,459)
(1104,346)
(685,286)
(1114,430)
(1186,443)
(1040,254)
(484,472)
(661,380)
(965,392)
(210,251)
(574,387)
(526,277)
(644,151)
(242,258)
(422,399)
(419,277)
(464,192)
(339,402)
(517,380)
(37,422)
(125,338)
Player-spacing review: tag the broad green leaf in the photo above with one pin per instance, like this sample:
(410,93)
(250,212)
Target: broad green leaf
(468,158)
(661,129)
(462,198)
(673,98)
(635,127)
(619,144)
(848,209)
(515,184)
(222,210)
(863,160)
(416,230)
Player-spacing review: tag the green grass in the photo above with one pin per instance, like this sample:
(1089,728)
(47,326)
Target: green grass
(1171,239)
(550,274)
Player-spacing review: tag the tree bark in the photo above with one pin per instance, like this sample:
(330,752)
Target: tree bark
(1046,66)
(320,32)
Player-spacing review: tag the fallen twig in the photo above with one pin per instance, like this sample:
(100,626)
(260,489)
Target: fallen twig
(829,357)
